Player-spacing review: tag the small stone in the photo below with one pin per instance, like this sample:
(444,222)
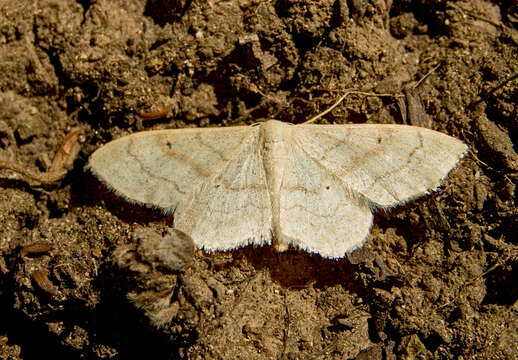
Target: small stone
(497,142)
(28,127)
(372,353)
(411,347)
(403,25)
(5,131)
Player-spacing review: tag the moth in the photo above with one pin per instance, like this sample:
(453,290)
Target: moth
(313,187)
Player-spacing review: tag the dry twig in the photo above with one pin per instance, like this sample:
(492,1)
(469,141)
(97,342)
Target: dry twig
(62,163)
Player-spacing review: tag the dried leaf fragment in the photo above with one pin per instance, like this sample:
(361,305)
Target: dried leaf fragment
(41,278)
(67,152)
(62,162)
(39,247)
(153,115)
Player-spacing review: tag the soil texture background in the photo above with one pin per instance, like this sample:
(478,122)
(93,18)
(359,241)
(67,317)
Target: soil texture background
(437,278)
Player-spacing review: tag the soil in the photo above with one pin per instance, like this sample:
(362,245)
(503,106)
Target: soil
(437,278)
